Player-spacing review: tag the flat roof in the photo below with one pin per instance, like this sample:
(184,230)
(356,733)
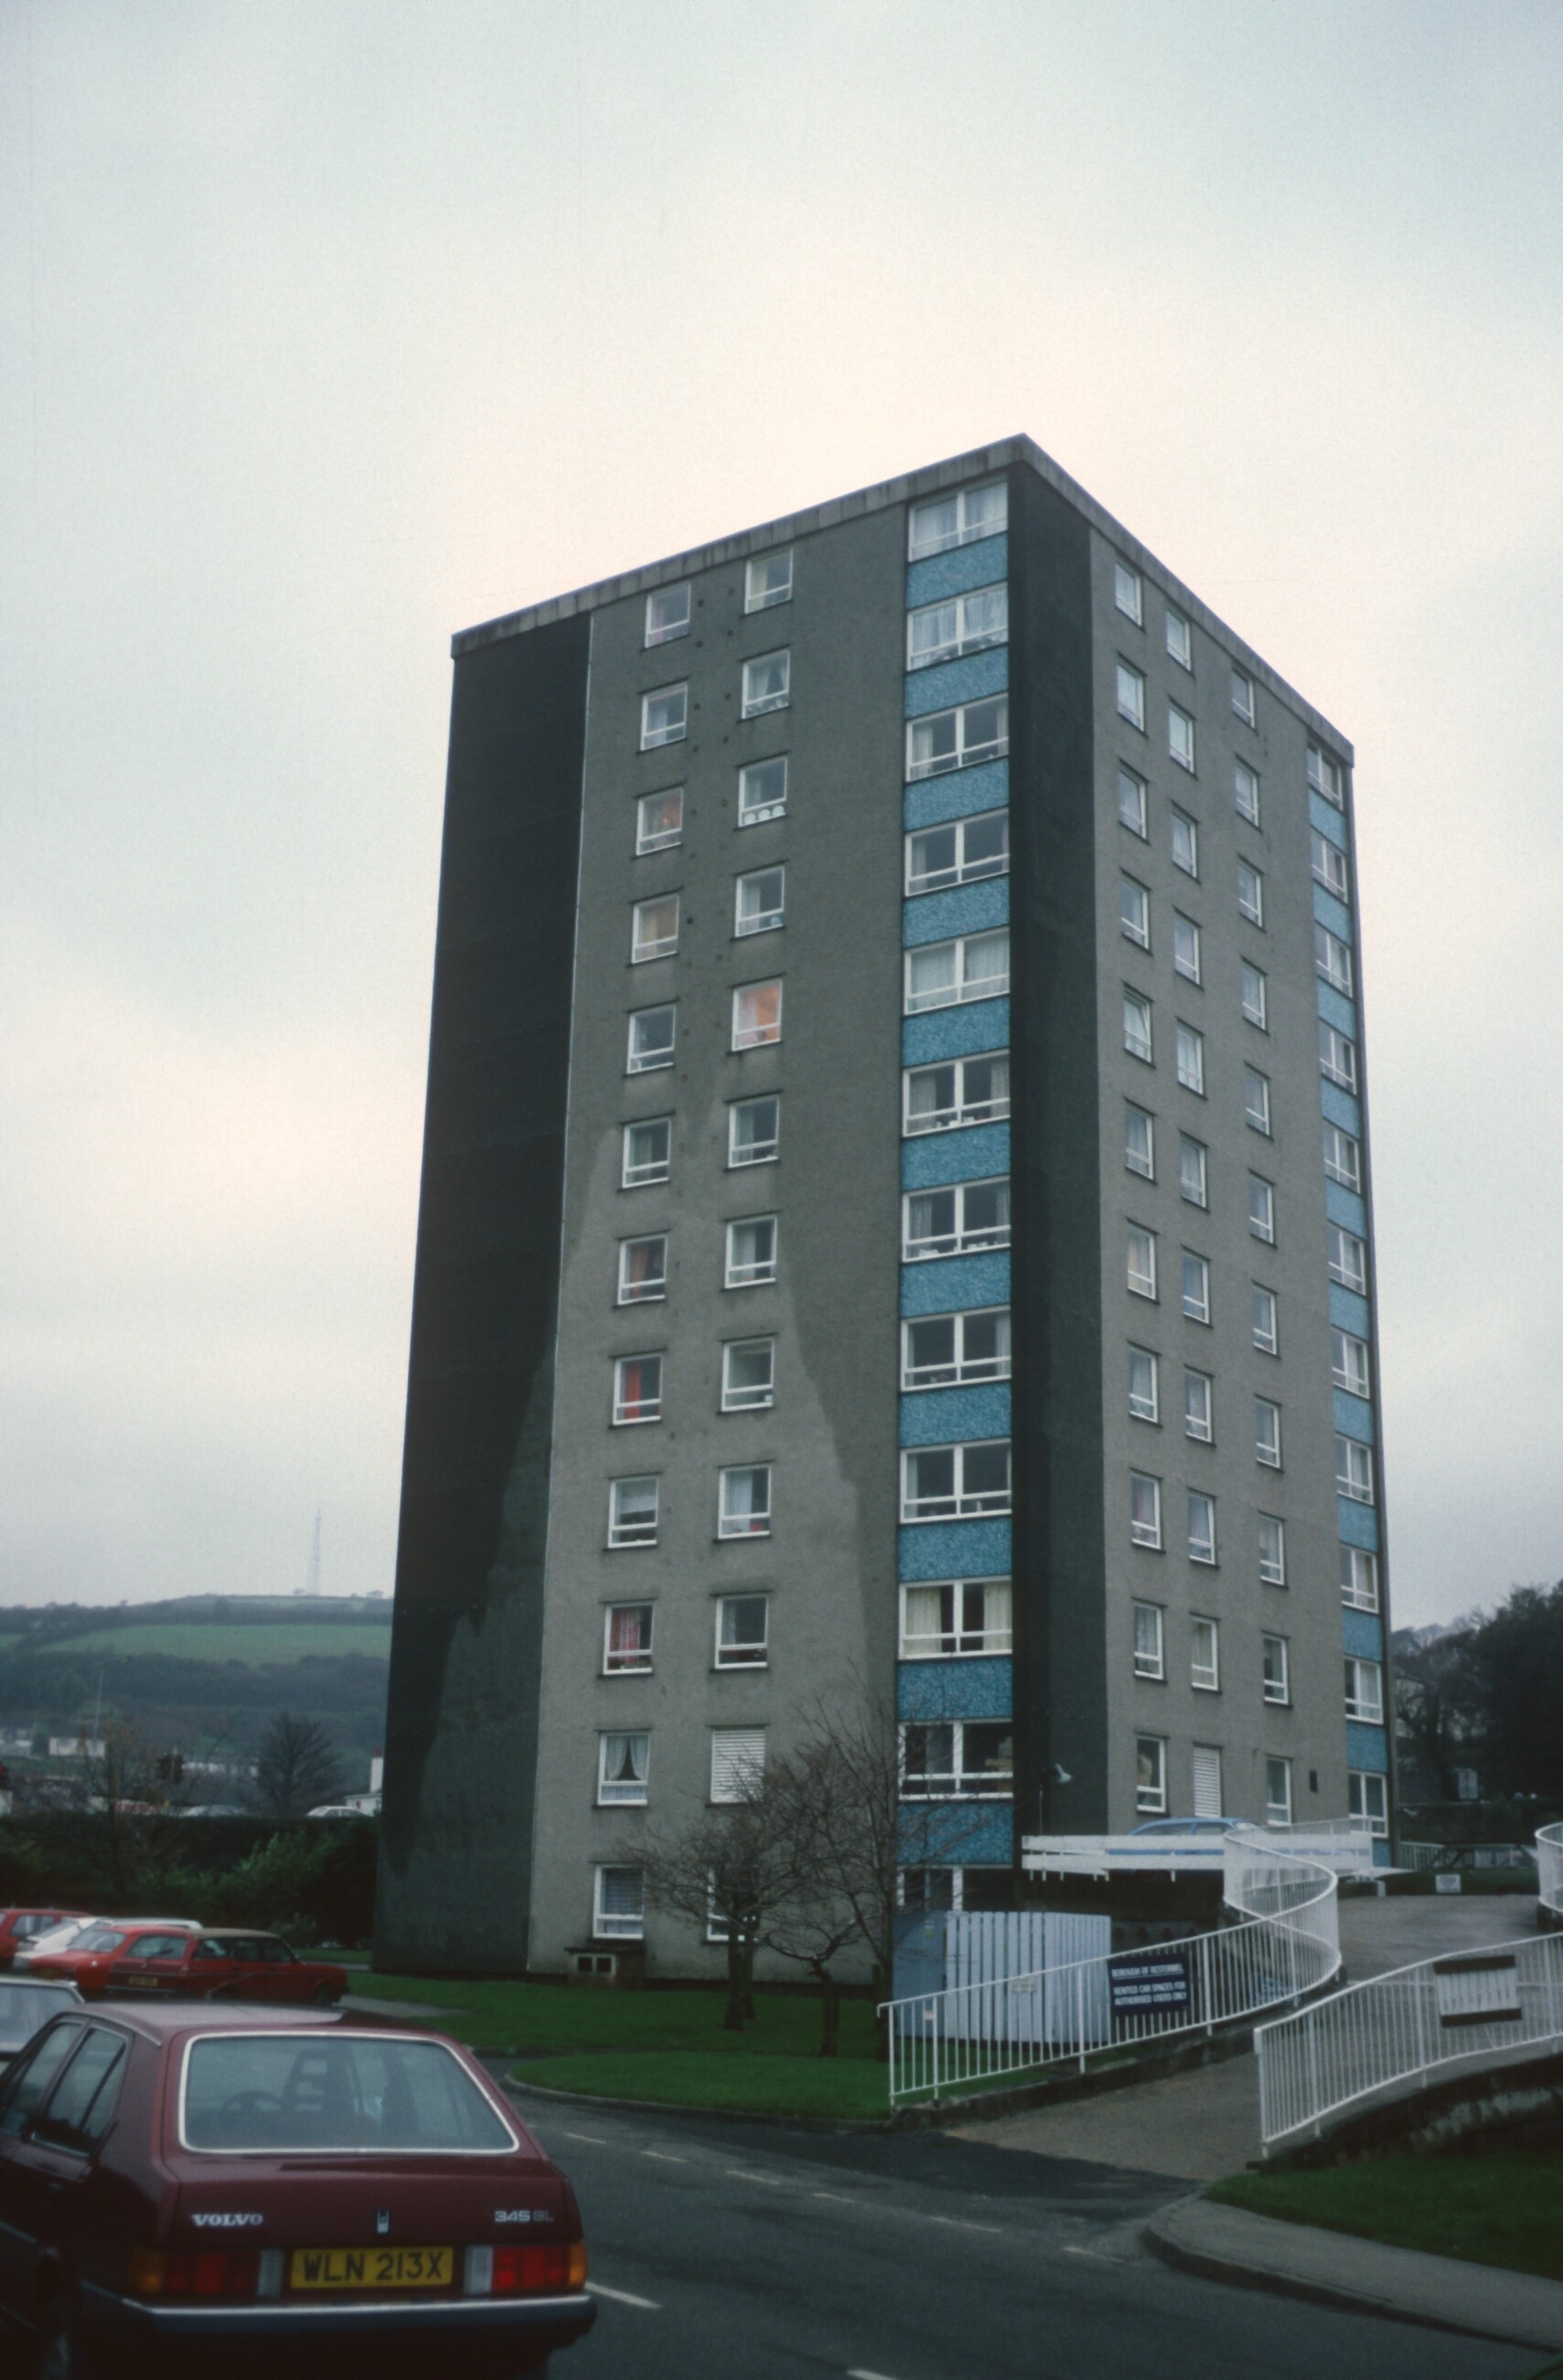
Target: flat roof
(911,487)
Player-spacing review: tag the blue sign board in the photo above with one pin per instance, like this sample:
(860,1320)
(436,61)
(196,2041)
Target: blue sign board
(1148,1981)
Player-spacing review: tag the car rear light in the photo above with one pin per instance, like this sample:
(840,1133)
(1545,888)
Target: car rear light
(507,2272)
(205,2271)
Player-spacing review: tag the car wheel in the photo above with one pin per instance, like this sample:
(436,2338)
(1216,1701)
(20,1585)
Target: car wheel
(326,1996)
(61,2355)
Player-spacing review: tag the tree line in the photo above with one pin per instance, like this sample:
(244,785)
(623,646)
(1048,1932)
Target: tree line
(1486,1695)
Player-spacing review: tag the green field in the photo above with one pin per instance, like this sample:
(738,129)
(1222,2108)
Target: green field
(267,1641)
(1491,2210)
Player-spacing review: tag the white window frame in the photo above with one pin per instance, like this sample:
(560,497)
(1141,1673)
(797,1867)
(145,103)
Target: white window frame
(642,949)
(760,1152)
(1255,996)
(652,1170)
(748,1399)
(1267,1340)
(1250,893)
(1134,813)
(758,1524)
(1332,961)
(758,594)
(634,1665)
(738,1764)
(755,813)
(965,1784)
(1201,1548)
(1354,1470)
(965,634)
(1149,1641)
(965,1503)
(748,1656)
(962,754)
(1199,1404)
(962,1371)
(1351,1364)
(1277,1802)
(1147,1172)
(628,1293)
(1364,1690)
(660,838)
(1190,1046)
(1359,1578)
(1262,1210)
(965,1110)
(623,1533)
(1242,697)
(1325,776)
(1256,1100)
(1193,1178)
(1128,591)
(1150,1776)
(755,705)
(1347,1259)
(658,1055)
(1343,1158)
(1204,1676)
(965,870)
(678,623)
(1245,791)
(620,1794)
(1267,1433)
(1187,956)
(1272,1550)
(1130,695)
(754,1276)
(642,1411)
(974,520)
(1137,1010)
(1180,638)
(762,1035)
(1330,866)
(1199,1311)
(677,724)
(625,1926)
(1369,1806)
(762,921)
(1142,1282)
(959,1641)
(1134,911)
(1188,865)
(1337,1057)
(962,1240)
(965,987)
(1275,1669)
(1180,738)
(1144,1384)
(1146,1526)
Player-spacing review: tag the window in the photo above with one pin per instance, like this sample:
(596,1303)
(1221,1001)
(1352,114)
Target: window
(1242,701)
(618,1904)
(741,1626)
(962,1091)
(959,1219)
(763,791)
(1353,1470)
(1138,1141)
(1261,1209)
(768,580)
(1149,1656)
(1325,776)
(1185,843)
(1137,1026)
(650,1039)
(1192,1171)
(1256,998)
(1134,911)
(958,1758)
(737,1762)
(1250,894)
(1196,1287)
(1199,1405)
(943,975)
(632,1512)
(667,614)
(1276,1669)
(1267,1433)
(1343,1159)
(754,1131)
(1277,1792)
(1179,639)
(946,1350)
(1150,1775)
(747,1374)
(1128,593)
(664,717)
(1245,786)
(622,1765)
(1205,1657)
(659,821)
(961,738)
(1347,1259)
(647,1152)
(627,1638)
(1145,1510)
(960,623)
(964,1615)
(654,932)
(1141,1261)
(1359,1578)
(1329,866)
(1351,1370)
(1332,957)
(1338,1058)
(1144,1391)
(1367,1799)
(757,1012)
(637,1388)
(1266,1321)
(762,899)
(1364,1691)
(1133,807)
(643,1269)
(743,1504)
(1180,737)
(767,683)
(82,2106)
(955,1483)
(752,1251)
(1256,1100)
(1201,1526)
(962,853)
(1272,1550)
(1191,1059)
(1131,696)
(957,519)
(1186,947)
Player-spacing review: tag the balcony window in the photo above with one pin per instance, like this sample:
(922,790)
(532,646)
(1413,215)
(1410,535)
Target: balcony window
(963,1616)
(962,1091)
(960,518)
(944,975)
(963,851)
(960,1220)
(948,1351)
(965,738)
(959,625)
(955,1483)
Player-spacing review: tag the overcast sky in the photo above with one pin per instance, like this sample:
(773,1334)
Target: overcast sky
(331,327)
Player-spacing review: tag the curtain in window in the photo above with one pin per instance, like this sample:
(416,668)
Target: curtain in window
(626,1633)
(924,1622)
(931,975)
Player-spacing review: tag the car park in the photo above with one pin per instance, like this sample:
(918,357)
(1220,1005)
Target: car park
(22,1929)
(86,1961)
(190,2188)
(225,1964)
(26,2007)
(68,1933)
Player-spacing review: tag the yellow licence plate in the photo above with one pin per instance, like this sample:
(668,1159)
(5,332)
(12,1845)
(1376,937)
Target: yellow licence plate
(373,2268)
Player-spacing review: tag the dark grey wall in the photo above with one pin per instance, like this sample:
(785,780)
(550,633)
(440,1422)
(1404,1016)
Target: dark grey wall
(461,1734)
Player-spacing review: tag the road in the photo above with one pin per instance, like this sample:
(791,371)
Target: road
(736,2251)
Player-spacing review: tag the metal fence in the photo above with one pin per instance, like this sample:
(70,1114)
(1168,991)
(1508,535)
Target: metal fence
(1398,2026)
(1549,1869)
(1448,1856)
(1285,1942)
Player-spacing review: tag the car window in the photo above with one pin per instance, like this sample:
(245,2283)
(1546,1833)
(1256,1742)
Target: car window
(31,2075)
(98,1938)
(24,2008)
(158,1946)
(276,1951)
(292,2091)
(211,1951)
(81,2106)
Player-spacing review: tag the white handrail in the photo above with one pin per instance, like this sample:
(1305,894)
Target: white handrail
(1549,1869)
(1287,1942)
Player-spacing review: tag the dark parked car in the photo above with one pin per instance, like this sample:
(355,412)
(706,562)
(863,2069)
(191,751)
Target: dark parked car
(186,2190)
(26,2008)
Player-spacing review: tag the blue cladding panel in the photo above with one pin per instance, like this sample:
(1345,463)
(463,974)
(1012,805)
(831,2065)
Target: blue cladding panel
(1328,818)
(959,1834)
(959,793)
(1340,1107)
(975,1688)
(1332,914)
(952,682)
(1367,1747)
(1353,1416)
(973,1154)
(1357,1525)
(957,571)
(1361,1634)
(1337,1010)
(955,1032)
(1348,1311)
(949,1417)
(955,1284)
(1343,1206)
(966,909)
(955,1549)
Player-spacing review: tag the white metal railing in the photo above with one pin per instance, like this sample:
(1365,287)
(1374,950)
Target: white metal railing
(1549,1868)
(1343,1844)
(1423,1856)
(1286,1941)
(1404,2024)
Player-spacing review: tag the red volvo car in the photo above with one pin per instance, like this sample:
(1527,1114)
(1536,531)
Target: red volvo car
(289,2191)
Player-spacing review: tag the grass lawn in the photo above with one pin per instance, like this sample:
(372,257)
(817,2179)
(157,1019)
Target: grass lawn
(265,1641)
(1492,2210)
(526,2018)
(757,2082)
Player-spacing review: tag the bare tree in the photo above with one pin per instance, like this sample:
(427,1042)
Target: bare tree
(730,1870)
(814,1925)
(127,1783)
(297,1767)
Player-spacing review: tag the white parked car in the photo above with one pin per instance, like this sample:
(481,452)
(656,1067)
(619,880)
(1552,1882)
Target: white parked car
(63,1936)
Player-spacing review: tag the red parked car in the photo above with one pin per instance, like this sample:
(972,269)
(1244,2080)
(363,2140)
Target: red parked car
(235,1966)
(288,2190)
(20,1926)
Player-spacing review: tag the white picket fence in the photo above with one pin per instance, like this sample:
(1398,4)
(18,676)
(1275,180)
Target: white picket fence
(1285,1942)
(1549,1869)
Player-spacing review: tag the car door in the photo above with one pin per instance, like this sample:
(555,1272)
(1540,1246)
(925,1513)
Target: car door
(285,1979)
(208,1968)
(24,2089)
(151,1962)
